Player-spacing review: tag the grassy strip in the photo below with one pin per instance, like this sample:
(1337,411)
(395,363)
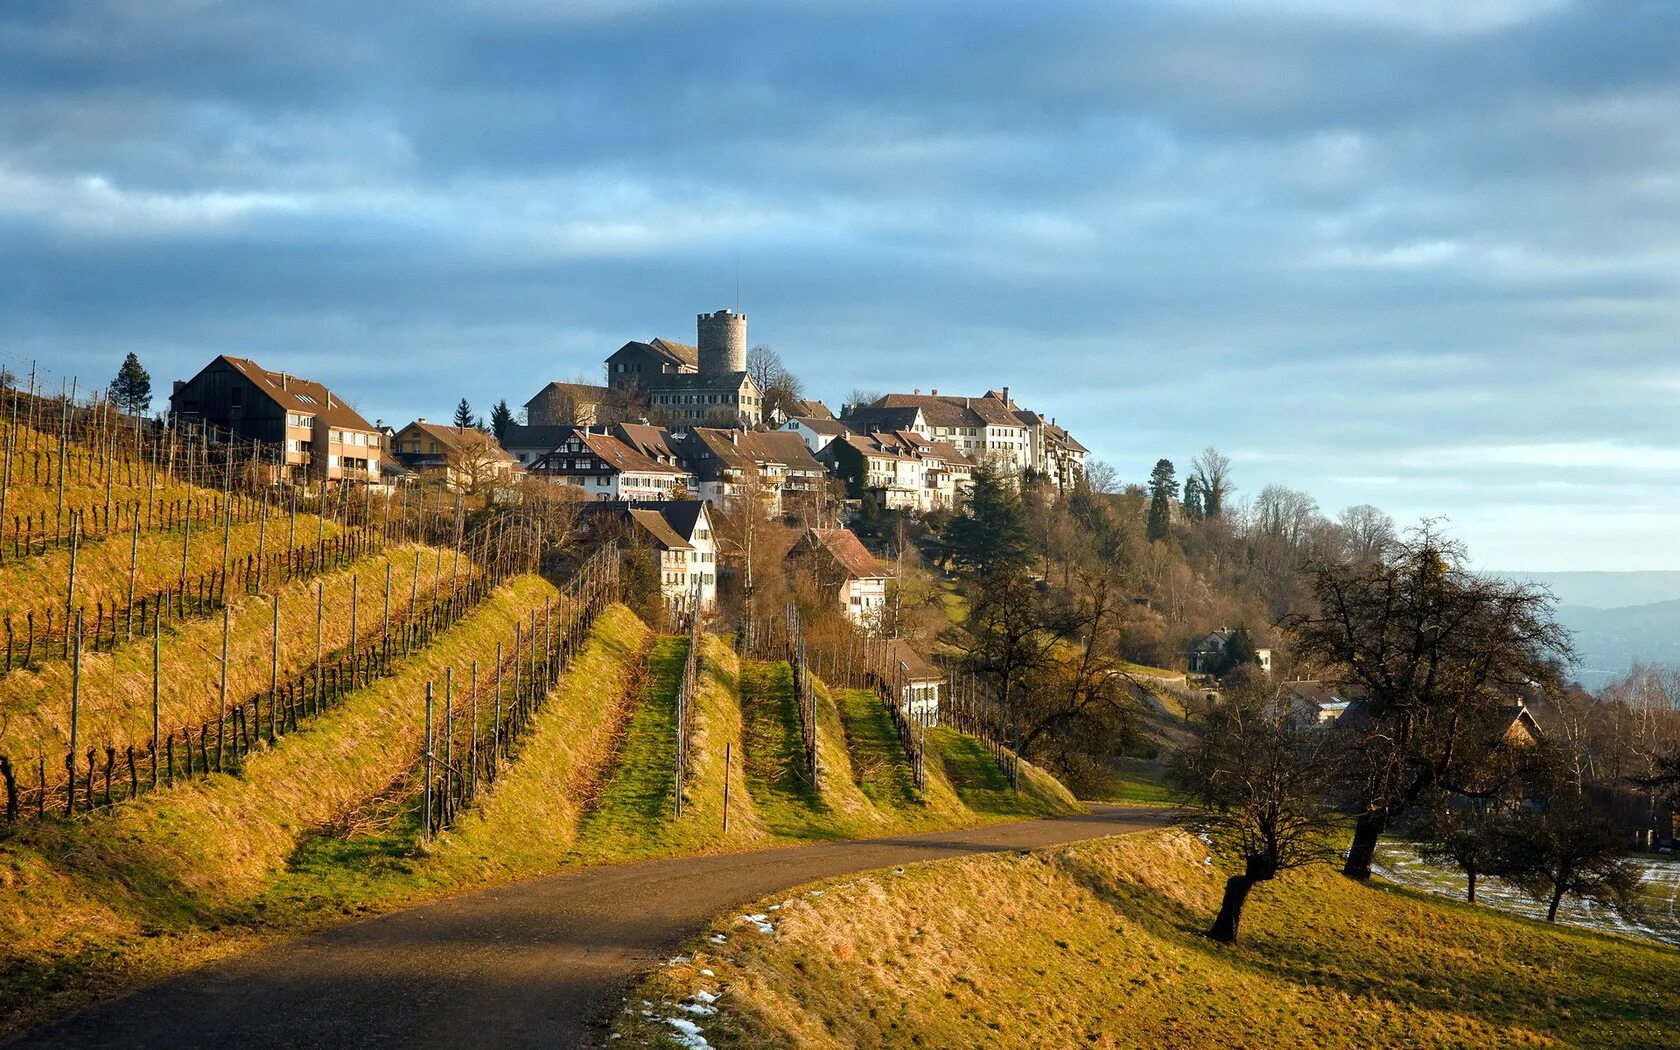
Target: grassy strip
(116,687)
(1099,945)
(102,563)
(967,764)
(877,756)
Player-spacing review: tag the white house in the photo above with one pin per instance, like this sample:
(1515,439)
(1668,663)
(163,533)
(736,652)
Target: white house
(608,468)
(843,566)
(681,532)
(916,681)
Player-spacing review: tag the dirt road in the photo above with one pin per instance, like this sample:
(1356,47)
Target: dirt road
(537,963)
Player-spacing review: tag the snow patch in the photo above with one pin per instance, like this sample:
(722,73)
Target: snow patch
(761,922)
(688,1033)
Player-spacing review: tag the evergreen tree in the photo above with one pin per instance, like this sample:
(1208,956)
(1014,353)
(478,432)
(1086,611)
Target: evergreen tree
(132,389)
(463,414)
(501,417)
(991,536)
(1195,499)
(1163,489)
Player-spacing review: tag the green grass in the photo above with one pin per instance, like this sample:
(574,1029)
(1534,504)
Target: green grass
(968,764)
(1101,945)
(775,766)
(632,812)
(878,759)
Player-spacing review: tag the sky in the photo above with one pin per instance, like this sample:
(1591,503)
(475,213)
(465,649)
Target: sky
(1418,253)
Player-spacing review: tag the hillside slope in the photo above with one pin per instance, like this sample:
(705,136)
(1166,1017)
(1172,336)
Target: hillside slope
(1100,945)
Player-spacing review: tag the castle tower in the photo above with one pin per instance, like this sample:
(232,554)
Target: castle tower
(722,342)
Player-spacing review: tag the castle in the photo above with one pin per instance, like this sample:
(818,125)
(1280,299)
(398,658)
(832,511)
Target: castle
(702,384)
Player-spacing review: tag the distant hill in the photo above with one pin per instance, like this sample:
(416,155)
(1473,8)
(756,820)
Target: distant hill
(1619,618)
(1612,640)
(1604,590)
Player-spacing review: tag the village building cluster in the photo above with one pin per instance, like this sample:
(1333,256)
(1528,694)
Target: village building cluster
(676,432)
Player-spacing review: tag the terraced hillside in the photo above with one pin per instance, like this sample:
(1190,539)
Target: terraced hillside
(324,822)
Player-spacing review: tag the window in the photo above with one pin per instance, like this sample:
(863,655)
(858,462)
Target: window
(236,397)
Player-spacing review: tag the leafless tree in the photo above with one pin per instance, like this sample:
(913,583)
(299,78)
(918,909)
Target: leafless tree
(1366,530)
(1211,471)
(1101,476)
(1256,781)
(1438,651)
(780,388)
(476,462)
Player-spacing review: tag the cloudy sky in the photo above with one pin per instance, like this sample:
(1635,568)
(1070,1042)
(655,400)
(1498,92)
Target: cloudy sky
(1418,253)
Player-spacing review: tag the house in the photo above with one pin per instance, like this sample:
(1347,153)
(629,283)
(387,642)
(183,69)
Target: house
(318,437)
(564,404)
(607,468)
(681,531)
(527,444)
(902,469)
(991,428)
(1219,651)
(1320,702)
(815,431)
(638,366)
(462,458)
(918,683)
(725,463)
(842,566)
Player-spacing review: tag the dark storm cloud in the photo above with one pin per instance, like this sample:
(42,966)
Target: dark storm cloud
(1410,252)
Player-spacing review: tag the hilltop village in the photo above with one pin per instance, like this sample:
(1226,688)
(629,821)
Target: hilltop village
(676,433)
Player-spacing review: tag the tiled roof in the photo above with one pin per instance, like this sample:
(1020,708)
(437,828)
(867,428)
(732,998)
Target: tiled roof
(518,435)
(584,393)
(700,381)
(812,410)
(916,667)
(618,456)
(682,353)
(451,437)
(302,396)
(868,418)
(660,529)
(825,425)
(651,441)
(848,552)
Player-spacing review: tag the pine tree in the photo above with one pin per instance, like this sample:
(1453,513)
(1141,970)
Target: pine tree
(501,417)
(463,414)
(1163,489)
(991,535)
(132,389)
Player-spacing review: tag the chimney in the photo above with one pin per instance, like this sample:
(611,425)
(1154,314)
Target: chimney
(934,392)
(1006,395)
(422,419)
(917,392)
(283,380)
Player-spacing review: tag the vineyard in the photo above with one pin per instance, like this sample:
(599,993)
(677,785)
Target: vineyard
(231,706)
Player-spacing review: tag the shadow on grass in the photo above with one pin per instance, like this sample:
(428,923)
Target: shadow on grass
(775,761)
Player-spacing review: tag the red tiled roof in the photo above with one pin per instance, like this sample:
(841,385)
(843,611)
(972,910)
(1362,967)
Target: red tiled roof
(847,551)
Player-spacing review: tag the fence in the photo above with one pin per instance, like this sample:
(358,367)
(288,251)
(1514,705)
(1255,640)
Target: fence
(512,695)
(686,688)
(239,725)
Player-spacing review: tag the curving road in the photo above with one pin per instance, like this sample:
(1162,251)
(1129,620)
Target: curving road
(536,963)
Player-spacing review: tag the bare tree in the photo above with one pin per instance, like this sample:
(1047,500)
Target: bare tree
(1438,651)
(475,462)
(1101,476)
(1366,530)
(780,388)
(1211,471)
(1256,780)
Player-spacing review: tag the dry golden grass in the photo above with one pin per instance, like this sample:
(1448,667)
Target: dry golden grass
(40,582)
(116,687)
(1101,945)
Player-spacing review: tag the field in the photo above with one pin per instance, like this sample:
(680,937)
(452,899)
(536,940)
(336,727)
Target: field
(1100,945)
(1399,863)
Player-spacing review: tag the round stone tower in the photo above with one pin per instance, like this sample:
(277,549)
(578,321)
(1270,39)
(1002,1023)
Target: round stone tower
(723,342)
